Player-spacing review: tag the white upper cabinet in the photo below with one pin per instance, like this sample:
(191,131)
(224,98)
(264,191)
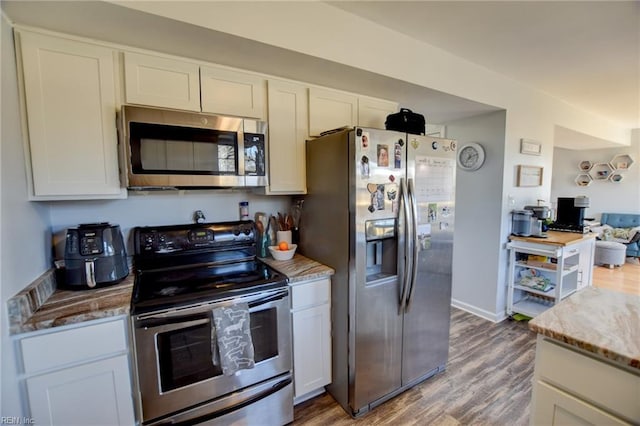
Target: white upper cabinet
(230,92)
(331,109)
(161,82)
(373,112)
(288,132)
(70,99)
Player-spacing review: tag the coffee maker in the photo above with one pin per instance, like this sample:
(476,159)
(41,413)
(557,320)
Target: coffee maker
(570,215)
(540,214)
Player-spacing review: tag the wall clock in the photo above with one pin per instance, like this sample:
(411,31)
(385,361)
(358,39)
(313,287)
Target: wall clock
(471,156)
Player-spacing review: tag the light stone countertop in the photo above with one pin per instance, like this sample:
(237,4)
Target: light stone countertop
(64,307)
(299,268)
(603,322)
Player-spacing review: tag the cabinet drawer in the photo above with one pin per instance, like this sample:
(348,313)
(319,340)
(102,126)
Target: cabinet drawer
(73,346)
(604,385)
(310,293)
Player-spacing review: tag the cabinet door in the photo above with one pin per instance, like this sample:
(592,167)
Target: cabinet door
(555,407)
(288,132)
(161,82)
(98,393)
(585,263)
(373,112)
(70,97)
(229,92)
(329,109)
(311,349)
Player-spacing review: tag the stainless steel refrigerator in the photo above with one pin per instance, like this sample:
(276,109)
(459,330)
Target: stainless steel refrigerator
(380,210)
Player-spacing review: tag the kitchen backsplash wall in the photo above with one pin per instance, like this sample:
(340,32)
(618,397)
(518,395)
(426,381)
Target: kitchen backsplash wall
(157,208)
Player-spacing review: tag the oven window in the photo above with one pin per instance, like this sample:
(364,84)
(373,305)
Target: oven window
(264,334)
(163,149)
(184,355)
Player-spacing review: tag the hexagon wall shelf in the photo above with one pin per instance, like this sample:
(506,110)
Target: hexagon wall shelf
(584,180)
(615,177)
(600,171)
(621,162)
(585,166)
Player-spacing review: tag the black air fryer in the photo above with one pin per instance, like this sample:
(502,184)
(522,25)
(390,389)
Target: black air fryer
(94,255)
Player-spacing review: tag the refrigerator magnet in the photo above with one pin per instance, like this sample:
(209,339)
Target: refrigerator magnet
(377,198)
(364,167)
(397,156)
(392,195)
(383,155)
(415,144)
(365,140)
(433,212)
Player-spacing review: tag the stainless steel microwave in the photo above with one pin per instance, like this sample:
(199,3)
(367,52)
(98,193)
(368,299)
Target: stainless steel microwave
(177,149)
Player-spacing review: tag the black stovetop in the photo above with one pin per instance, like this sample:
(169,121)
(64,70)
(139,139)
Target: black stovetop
(162,290)
(224,266)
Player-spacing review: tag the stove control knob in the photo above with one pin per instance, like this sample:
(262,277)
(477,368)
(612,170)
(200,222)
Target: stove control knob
(236,231)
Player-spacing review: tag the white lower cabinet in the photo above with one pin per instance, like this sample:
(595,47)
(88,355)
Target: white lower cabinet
(311,316)
(572,387)
(79,375)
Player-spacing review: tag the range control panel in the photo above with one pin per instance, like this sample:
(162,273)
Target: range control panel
(181,238)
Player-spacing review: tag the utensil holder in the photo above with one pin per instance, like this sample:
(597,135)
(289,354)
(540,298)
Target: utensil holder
(283,236)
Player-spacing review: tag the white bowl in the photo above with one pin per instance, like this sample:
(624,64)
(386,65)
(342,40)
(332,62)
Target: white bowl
(283,254)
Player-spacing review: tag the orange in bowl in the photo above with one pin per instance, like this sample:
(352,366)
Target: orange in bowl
(283,246)
(283,254)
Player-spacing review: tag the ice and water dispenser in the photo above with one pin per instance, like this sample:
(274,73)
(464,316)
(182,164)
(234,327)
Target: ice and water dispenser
(382,248)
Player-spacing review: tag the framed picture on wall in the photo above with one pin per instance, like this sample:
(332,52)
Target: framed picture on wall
(529,176)
(530,147)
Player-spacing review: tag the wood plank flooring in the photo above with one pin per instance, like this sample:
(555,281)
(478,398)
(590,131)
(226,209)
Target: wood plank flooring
(488,376)
(487,381)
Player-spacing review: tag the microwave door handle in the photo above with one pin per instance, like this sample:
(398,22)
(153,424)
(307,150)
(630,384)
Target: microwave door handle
(414,241)
(404,211)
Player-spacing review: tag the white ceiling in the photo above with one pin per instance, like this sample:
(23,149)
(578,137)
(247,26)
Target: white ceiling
(584,52)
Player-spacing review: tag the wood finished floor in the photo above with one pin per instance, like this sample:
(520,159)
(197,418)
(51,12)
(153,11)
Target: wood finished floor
(488,376)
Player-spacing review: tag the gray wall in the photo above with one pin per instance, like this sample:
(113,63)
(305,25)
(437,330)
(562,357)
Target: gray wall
(605,196)
(24,232)
(477,285)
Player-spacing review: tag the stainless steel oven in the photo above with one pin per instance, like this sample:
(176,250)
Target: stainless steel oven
(184,275)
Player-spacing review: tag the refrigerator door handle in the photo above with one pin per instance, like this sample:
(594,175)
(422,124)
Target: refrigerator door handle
(413,236)
(405,215)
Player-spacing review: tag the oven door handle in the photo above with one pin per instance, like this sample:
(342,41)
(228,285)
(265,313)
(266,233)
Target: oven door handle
(192,417)
(171,327)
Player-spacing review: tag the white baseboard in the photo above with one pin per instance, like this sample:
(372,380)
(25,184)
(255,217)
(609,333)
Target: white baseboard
(482,313)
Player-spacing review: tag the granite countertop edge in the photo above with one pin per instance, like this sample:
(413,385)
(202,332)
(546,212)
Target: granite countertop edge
(42,305)
(299,268)
(598,321)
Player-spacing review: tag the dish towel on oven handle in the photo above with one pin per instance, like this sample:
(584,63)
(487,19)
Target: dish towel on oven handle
(231,344)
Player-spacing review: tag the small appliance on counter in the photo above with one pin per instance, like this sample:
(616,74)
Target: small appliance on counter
(570,215)
(521,222)
(540,215)
(94,255)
